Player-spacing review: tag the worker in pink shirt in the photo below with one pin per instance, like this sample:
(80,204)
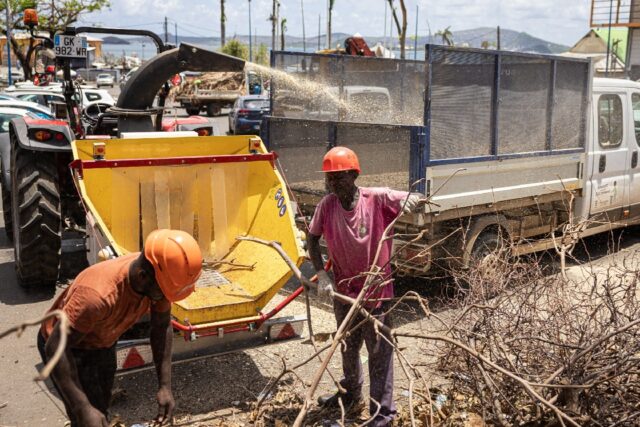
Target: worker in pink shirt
(352,221)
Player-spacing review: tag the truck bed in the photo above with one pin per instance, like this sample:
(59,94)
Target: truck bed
(463,185)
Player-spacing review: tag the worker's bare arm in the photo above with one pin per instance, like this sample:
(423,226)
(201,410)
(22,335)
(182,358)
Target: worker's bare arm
(161,343)
(315,253)
(66,377)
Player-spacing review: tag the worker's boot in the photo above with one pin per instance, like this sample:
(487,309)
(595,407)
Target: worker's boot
(331,400)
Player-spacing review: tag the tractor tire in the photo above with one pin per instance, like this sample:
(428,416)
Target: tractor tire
(37,220)
(213,110)
(6,212)
(193,111)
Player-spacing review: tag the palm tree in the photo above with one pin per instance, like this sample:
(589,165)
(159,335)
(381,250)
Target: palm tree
(283,28)
(223,19)
(331,2)
(274,23)
(447,36)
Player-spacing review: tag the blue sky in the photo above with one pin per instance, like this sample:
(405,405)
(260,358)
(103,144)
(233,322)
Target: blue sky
(560,21)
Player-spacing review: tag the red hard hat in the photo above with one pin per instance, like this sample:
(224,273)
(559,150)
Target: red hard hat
(340,159)
(177,262)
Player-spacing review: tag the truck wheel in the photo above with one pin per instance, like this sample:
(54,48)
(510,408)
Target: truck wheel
(193,111)
(489,254)
(37,224)
(213,110)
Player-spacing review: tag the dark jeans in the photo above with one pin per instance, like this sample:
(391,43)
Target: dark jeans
(96,371)
(380,364)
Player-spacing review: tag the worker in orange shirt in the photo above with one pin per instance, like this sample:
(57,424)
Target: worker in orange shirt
(103,302)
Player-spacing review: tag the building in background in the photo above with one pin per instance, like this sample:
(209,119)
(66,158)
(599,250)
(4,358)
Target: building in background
(620,14)
(606,60)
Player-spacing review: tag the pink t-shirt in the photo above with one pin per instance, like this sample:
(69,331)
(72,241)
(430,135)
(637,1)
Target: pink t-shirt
(352,236)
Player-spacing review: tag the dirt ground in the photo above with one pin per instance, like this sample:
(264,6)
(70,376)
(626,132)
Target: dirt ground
(221,390)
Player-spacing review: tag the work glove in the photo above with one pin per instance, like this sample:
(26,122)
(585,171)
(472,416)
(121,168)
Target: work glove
(412,202)
(325,287)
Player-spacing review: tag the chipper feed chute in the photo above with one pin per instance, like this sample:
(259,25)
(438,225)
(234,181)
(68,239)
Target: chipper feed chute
(217,189)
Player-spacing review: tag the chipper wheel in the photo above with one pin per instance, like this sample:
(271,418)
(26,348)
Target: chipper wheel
(37,226)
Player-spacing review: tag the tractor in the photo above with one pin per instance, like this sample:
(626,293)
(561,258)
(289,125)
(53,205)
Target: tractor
(39,198)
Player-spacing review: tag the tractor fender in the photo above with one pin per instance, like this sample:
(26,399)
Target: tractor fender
(478,225)
(21,130)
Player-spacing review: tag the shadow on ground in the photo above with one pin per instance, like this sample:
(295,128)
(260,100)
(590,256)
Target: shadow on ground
(199,387)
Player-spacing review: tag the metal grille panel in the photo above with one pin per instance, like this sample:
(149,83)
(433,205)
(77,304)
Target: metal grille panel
(383,151)
(348,88)
(461,104)
(488,104)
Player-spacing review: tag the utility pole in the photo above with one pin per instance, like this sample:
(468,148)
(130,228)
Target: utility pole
(8,9)
(166,30)
(319,25)
(304,37)
(498,38)
(223,18)
(176,32)
(328,24)
(415,41)
(277,22)
(250,40)
(384,40)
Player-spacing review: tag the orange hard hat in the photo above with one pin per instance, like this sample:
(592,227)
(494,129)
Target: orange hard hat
(177,262)
(340,159)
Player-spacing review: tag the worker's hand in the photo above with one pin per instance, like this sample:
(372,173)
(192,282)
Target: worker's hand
(89,416)
(166,403)
(412,202)
(325,286)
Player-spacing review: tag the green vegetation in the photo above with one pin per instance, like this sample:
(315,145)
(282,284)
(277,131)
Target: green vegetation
(236,48)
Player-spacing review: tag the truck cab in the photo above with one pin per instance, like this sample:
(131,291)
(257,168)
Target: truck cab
(612,187)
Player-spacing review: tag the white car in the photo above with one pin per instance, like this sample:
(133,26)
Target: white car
(46,96)
(8,113)
(27,105)
(105,79)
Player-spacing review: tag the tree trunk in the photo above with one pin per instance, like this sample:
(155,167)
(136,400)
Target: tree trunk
(223,19)
(329,31)
(274,23)
(403,33)
(23,58)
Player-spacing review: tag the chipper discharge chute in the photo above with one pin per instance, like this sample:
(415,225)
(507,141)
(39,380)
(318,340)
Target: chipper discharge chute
(217,189)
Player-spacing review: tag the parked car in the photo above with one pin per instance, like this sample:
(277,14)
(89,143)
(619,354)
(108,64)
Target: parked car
(246,115)
(45,96)
(7,97)
(105,79)
(27,105)
(8,113)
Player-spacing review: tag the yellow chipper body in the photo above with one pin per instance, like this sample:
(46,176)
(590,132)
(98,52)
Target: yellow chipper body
(215,188)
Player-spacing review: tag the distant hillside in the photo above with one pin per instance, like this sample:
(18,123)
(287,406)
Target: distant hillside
(114,40)
(510,40)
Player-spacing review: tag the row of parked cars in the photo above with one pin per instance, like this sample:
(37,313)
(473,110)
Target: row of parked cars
(26,99)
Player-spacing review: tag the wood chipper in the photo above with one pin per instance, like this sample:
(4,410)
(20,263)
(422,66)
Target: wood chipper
(217,189)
